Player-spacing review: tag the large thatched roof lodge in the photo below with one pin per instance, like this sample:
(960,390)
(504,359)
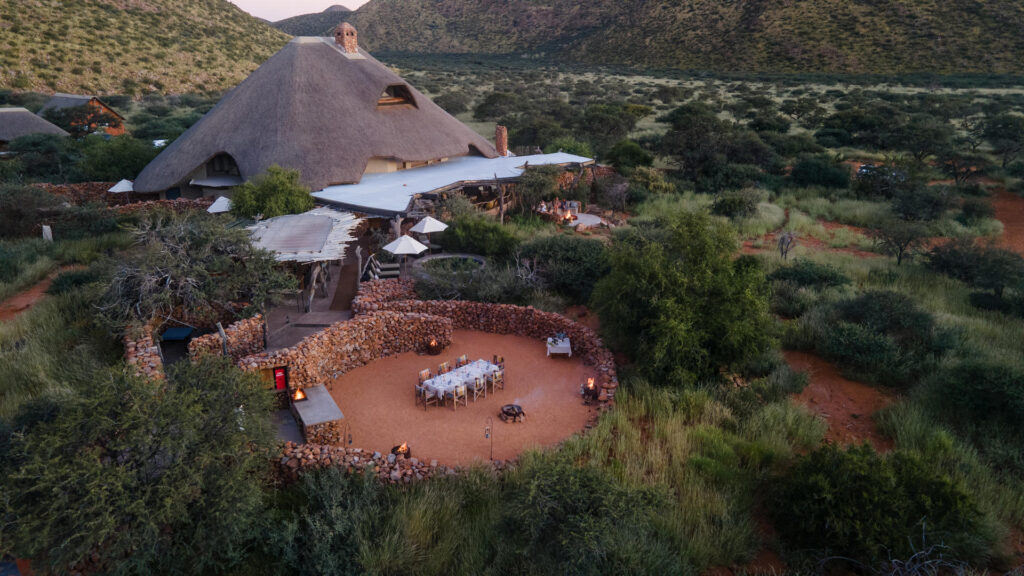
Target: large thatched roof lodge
(361,137)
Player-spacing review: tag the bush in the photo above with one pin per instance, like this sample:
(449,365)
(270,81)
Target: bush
(276,193)
(73,279)
(627,155)
(974,210)
(979,389)
(879,336)
(455,102)
(24,208)
(858,504)
(479,235)
(769,123)
(808,273)
(571,265)
(495,284)
(737,203)
(921,203)
(818,171)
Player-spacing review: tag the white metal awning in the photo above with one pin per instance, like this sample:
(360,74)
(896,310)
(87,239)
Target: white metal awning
(390,193)
(319,235)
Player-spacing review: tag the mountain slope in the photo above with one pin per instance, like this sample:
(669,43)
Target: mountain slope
(319,24)
(130,46)
(844,36)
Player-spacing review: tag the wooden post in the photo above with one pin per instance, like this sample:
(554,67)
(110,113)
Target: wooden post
(359,266)
(501,199)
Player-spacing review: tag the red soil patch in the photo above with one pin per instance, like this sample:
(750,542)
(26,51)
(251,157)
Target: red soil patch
(1010,211)
(26,299)
(379,408)
(770,242)
(846,405)
(583,315)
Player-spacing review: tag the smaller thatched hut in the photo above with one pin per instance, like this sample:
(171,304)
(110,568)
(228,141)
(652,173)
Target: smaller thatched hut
(18,122)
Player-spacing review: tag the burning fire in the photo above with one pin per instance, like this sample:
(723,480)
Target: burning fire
(403,448)
(299,395)
(433,342)
(590,383)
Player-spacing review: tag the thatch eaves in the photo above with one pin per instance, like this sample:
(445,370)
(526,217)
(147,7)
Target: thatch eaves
(18,122)
(313,108)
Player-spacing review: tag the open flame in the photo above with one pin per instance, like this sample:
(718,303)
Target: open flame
(299,395)
(590,383)
(403,448)
(433,342)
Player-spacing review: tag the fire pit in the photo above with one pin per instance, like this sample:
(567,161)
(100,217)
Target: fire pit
(434,347)
(402,450)
(513,411)
(590,391)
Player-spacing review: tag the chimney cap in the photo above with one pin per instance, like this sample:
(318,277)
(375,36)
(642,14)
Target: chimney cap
(346,37)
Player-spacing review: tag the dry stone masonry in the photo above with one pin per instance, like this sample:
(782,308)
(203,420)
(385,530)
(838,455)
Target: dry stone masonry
(244,338)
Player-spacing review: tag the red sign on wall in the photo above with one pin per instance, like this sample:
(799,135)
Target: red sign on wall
(280,378)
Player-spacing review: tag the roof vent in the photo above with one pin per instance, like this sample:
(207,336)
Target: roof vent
(345,36)
(396,95)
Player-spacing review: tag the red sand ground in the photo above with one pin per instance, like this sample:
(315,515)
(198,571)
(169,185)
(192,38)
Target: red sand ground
(846,405)
(378,402)
(22,301)
(1010,211)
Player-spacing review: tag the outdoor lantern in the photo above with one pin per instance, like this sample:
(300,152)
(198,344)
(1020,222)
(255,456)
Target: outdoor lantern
(299,395)
(280,378)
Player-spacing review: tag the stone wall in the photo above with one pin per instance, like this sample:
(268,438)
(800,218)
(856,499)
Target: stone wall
(244,338)
(345,346)
(299,458)
(382,295)
(142,353)
(328,433)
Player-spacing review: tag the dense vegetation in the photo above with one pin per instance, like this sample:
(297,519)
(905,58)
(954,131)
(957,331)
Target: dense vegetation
(835,36)
(100,47)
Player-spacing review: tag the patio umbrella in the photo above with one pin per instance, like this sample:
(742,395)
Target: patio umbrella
(404,246)
(428,226)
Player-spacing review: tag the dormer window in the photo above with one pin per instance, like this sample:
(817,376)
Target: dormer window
(396,95)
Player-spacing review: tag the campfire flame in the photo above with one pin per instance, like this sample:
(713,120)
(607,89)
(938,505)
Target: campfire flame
(299,395)
(590,383)
(433,342)
(403,448)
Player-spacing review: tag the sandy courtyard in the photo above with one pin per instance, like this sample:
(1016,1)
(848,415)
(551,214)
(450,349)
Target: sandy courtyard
(378,402)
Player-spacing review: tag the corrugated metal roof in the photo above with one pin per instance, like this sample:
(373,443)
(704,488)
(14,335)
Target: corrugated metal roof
(391,192)
(316,236)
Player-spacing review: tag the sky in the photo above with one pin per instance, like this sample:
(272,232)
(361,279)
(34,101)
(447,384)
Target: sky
(275,10)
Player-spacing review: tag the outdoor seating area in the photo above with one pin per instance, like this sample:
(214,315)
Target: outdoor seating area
(477,390)
(459,383)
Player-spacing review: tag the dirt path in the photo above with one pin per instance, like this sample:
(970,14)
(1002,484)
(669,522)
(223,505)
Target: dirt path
(26,299)
(1010,211)
(846,405)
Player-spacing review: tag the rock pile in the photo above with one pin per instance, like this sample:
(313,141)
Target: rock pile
(371,294)
(345,346)
(299,458)
(142,354)
(244,338)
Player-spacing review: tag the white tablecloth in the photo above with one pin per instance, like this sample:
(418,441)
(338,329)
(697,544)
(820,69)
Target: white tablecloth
(445,383)
(562,346)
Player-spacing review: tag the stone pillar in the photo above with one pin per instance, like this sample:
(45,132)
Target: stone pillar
(346,37)
(501,140)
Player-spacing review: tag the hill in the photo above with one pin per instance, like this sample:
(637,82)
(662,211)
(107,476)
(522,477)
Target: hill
(130,46)
(841,36)
(318,24)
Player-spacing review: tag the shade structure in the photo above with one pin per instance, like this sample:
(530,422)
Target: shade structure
(405,245)
(122,187)
(428,226)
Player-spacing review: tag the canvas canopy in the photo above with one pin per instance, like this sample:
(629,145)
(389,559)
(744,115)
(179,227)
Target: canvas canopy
(428,226)
(404,246)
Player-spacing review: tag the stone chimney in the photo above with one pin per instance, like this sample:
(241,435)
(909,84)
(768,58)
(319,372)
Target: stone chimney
(501,140)
(345,36)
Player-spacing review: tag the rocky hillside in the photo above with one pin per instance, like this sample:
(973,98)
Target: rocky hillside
(319,24)
(130,46)
(844,36)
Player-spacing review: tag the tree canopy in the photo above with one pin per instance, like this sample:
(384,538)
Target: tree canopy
(677,301)
(276,193)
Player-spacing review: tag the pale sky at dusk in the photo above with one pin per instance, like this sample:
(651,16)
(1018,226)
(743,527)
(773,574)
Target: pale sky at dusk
(275,10)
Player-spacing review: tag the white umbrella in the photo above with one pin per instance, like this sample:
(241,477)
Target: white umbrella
(405,245)
(428,226)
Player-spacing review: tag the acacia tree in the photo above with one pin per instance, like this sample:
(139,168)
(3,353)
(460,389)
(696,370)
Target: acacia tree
(679,303)
(191,262)
(276,193)
(899,238)
(134,478)
(1005,133)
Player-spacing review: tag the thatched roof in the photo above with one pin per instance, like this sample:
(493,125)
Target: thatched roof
(17,122)
(313,108)
(60,101)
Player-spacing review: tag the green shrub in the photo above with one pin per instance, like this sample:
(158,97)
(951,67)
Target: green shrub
(570,264)
(808,273)
(922,203)
(737,203)
(479,235)
(980,389)
(973,210)
(627,155)
(858,504)
(818,171)
(73,279)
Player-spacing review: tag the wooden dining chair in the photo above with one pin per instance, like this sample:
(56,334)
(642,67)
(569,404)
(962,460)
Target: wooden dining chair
(497,380)
(479,386)
(424,375)
(444,368)
(499,361)
(459,395)
(462,361)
